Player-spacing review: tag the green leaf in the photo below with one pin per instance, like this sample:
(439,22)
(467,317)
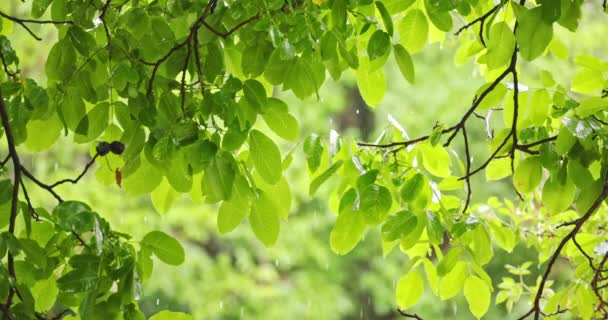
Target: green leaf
(93,124)
(453,282)
(144,180)
(165,247)
(163,197)
(591,106)
(39,7)
(73,216)
(83,41)
(371,83)
(339,14)
(558,196)
(409,289)
(45,293)
(387,20)
(77,280)
(413,30)
(42,134)
(305,75)
(501,44)
(440,17)
(347,231)
(398,225)
(320,179)
(266,157)
(264,220)
(375,202)
(279,120)
(234,210)
(379,44)
(170,315)
(219,177)
(478,296)
(412,187)
(61,62)
(533,34)
(405,63)
(588,81)
(254,93)
(540,107)
(527,175)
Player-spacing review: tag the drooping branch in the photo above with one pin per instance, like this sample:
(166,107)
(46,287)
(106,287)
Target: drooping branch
(23,23)
(75,181)
(536,308)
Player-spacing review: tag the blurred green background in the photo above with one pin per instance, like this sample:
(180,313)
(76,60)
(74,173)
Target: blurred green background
(234,276)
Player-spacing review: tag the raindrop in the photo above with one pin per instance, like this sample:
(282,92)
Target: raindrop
(242,312)
(455,308)
(221,304)
(276,263)
(361,313)
(157,301)
(327,266)
(56,166)
(357,111)
(146,219)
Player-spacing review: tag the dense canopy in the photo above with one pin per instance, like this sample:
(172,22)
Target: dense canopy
(181,97)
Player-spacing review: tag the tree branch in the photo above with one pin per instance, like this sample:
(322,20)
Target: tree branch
(23,23)
(535,310)
(10,140)
(409,315)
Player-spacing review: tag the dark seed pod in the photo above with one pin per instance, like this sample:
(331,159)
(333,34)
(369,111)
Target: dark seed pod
(103,148)
(117,147)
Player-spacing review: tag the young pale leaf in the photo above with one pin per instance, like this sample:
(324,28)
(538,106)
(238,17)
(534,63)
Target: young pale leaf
(163,197)
(409,289)
(414,29)
(436,160)
(405,63)
(558,197)
(165,247)
(266,157)
(347,231)
(371,83)
(453,282)
(478,296)
(280,120)
(264,220)
(234,210)
(528,174)
(501,44)
(591,106)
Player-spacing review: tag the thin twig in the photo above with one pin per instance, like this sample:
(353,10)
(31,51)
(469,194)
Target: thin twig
(23,23)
